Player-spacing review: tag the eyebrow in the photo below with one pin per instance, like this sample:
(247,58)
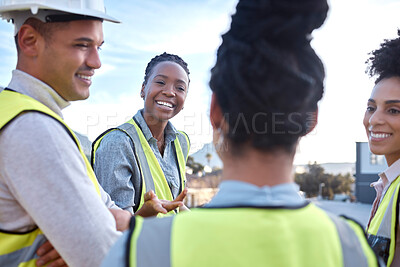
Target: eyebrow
(386,102)
(85,39)
(392,101)
(166,77)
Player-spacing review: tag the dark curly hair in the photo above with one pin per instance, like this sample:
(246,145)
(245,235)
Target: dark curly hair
(267,78)
(385,61)
(161,58)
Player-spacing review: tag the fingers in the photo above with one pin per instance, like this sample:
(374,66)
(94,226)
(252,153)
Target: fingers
(151,208)
(149,195)
(171,205)
(182,195)
(152,205)
(49,256)
(160,209)
(43,249)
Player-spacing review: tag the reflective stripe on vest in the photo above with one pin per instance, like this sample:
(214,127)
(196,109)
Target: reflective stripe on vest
(304,237)
(153,177)
(382,228)
(28,244)
(21,247)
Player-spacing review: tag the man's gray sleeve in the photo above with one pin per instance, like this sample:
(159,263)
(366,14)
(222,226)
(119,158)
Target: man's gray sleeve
(117,171)
(46,176)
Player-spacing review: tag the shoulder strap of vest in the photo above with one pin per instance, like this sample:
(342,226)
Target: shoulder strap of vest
(352,249)
(129,130)
(137,123)
(354,221)
(95,145)
(382,230)
(182,146)
(50,111)
(148,177)
(184,141)
(380,261)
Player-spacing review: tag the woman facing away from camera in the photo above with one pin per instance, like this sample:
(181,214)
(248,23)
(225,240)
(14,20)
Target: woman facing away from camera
(146,156)
(266,84)
(382,124)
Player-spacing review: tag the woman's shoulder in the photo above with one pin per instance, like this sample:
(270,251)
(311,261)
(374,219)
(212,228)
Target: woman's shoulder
(184,135)
(115,136)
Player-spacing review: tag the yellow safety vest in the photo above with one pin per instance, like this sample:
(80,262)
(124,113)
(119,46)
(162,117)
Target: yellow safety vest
(153,177)
(15,247)
(382,229)
(305,236)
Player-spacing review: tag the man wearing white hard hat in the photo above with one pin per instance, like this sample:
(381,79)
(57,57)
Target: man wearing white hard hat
(47,188)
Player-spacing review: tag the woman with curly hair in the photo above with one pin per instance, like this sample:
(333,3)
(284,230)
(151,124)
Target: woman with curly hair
(266,84)
(382,124)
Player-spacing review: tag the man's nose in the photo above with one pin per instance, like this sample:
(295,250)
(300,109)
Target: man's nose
(93,59)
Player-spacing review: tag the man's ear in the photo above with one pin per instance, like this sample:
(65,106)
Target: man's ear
(216,116)
(29,40)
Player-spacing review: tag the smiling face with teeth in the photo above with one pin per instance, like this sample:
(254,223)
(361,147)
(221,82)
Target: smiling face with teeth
(165,92)
(382,119)
(67,61)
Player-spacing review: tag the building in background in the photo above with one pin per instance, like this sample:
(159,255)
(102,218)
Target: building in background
(368,166)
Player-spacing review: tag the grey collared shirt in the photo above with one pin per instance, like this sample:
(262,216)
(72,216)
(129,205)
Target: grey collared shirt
(237,193)
(117,170)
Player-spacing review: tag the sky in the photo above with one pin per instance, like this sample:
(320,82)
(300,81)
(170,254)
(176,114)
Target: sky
(192,29)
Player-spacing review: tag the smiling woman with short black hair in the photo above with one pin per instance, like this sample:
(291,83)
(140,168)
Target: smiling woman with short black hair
(147,154)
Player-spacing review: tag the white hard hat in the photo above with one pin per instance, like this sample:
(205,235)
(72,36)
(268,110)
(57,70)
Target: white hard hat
(52,10)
